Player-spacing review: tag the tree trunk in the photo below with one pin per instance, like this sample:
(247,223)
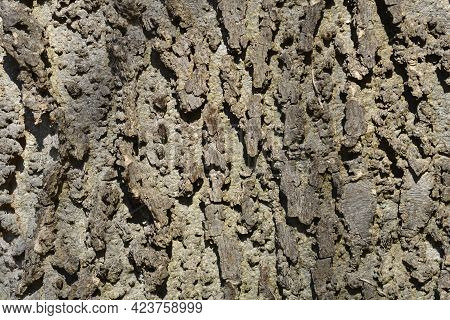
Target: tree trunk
(224,149)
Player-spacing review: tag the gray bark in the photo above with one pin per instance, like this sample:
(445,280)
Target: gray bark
(224,149)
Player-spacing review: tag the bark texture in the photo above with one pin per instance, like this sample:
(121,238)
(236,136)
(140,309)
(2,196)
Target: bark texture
(224,149)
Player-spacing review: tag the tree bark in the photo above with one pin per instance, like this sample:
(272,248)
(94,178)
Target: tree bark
(224,149)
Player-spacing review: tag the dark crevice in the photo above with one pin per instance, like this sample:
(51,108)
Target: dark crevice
(343,97)
(169,246)
(175,19)
(239,57)
(388,74)
(234,122)
(100,254)
(140,214)
(433,58)
(39,130)
(318,23)
(315,245)
(243,237)
(442,76)
(295,223)
(250,161)
(12,69)
(352,8)
(418,286)
(343,123)
(19,260)
(280,108)
(281,64)
(418,143)
(437,295)
(70,278)
(45,59)
(437,246)
(224,32)
(279,252)
(287,42)
(329,4)
(60,19)
(28,3)
(412,101)
(314,295)
(276,30)
(57,195)
(158,64)
(354,36)
(250,69)
(135,143)
(137,269)
(23,142)
(392,156)
(161,290)
(418,41)
(213,246)
(54,154)
(280,4)
(18,162)
(7,235)
(365,81)
(149,33)
(347,154)
(210,167)
(33,287)
(188,200)
(307,58)
(11,182)
(237,54)
(283,200)
(387,20)
(190,116)
(78,163)
(97,293)
(270,54)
